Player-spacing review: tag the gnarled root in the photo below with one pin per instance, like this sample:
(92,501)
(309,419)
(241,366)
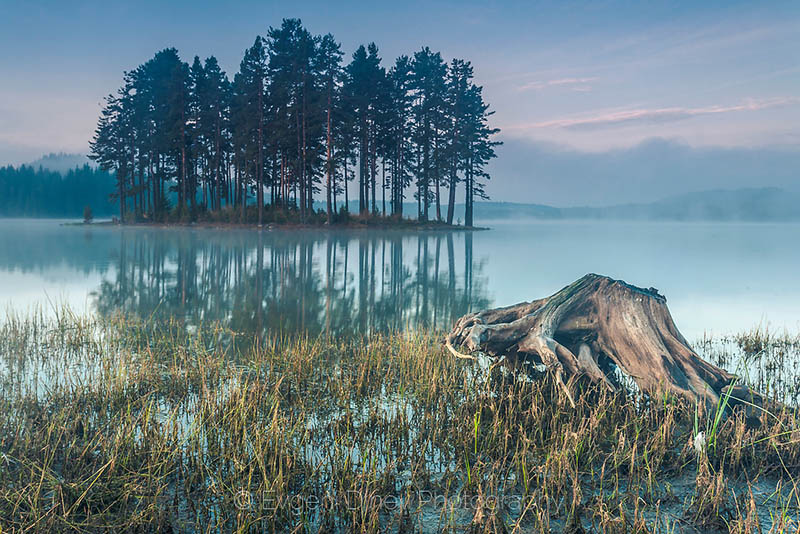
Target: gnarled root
(598,329)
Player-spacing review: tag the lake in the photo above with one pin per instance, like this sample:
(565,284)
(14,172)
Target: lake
(718,278)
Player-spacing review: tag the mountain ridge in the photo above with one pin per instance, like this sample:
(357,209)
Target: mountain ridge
(61,162)
(755,204)
(743,204)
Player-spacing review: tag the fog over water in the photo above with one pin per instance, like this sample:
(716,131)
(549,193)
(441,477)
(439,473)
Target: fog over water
(717,277)
(650,171)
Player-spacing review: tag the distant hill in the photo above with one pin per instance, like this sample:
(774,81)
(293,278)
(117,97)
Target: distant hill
(29,191)
(93,187)
(61,162)
(749,204)
(483,210)
(511,210)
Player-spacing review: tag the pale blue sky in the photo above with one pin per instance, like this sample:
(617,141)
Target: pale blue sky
(564,77)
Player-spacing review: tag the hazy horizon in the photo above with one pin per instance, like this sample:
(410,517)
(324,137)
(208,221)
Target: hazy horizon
(598,103)
(568,178)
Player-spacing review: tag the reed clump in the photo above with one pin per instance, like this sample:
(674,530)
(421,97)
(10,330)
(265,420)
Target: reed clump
(124,424)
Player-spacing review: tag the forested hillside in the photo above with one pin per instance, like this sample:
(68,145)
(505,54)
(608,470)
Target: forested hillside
(26,191)
(62,162)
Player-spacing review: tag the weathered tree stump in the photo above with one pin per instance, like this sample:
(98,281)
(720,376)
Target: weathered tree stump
(602,330)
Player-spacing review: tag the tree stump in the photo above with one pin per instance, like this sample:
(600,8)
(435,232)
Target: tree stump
(600,329)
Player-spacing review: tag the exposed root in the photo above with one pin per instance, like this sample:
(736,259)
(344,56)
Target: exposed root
(456,353)
(595,329)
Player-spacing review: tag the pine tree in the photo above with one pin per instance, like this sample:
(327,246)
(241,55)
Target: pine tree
(329,57)
(479,148)
(364,78)
(253,71)
(429,97)
(298,98)
(198,150)
(292,119)
(241,140)
(400,101)
(214,115)
(459,77)
(108,148)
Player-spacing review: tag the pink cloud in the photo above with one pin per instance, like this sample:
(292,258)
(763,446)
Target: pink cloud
(655,115)
(580,84)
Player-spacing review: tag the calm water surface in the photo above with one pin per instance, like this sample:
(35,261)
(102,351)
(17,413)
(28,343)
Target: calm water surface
(718,277)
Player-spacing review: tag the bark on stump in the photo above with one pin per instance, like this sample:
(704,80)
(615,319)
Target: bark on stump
(597,328)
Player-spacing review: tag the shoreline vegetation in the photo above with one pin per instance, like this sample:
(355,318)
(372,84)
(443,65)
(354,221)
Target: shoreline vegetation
(279,219)
(28,191)
(355,224)
(145,425)
(296,125)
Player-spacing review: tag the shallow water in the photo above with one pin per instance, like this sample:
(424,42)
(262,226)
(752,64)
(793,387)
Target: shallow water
(385,427)
(718,277)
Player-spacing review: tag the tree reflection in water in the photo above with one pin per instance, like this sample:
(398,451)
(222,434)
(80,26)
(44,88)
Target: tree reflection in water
(296,281)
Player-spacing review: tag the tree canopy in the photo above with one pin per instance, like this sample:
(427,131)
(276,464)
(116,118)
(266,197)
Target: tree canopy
(26,191)
(293,125)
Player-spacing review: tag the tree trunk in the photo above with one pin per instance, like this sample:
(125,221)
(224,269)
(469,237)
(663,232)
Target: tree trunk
(373,170)
(383,188)
(451,199)
(363,157)
(469,196)
(328,162)
(122,204)
(437,179)
(260,170)
(217,181)
(333,192)
(603,330)
(243,183)
(306,187)
(346,196)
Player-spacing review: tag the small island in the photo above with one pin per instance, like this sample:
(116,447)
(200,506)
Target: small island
(188,145)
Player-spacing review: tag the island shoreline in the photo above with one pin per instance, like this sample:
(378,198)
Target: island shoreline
(435,227)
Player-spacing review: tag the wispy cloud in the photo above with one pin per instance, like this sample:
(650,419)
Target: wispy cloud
(655,115)
(577,84)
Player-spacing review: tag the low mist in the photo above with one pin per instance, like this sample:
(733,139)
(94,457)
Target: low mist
(542,173)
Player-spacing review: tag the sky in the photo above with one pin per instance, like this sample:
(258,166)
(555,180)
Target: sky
(657,97)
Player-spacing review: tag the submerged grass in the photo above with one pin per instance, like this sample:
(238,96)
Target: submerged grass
(124,424)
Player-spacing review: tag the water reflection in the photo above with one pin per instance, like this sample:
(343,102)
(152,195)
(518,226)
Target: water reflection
(288,281)
(720,278)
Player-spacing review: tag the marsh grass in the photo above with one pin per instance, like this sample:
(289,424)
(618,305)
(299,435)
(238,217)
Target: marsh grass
(123,424)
